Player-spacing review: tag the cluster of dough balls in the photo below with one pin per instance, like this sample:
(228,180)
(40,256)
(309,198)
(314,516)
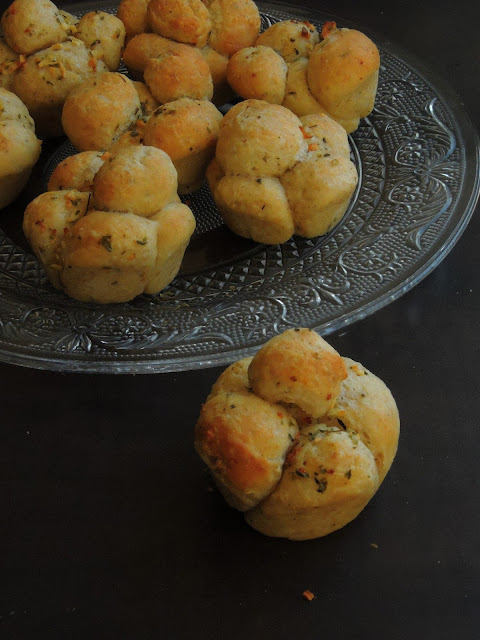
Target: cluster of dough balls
(298,437)
(111,111)
(290,64)
(275,174)
(19,146)
(119,231)
(182,47)
(47,52)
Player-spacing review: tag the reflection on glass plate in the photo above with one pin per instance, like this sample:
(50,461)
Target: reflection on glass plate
(417,158)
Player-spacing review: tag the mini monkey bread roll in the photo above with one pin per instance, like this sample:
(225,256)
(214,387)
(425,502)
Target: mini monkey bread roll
(96,253)
(341,424)
(274,174)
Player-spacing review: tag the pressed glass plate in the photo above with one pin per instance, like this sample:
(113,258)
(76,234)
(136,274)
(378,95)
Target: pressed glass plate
(418,160)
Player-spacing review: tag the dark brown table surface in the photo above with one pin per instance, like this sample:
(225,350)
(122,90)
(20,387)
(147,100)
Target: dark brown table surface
(109,526)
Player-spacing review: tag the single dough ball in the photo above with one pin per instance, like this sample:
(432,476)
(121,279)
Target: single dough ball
(9,64)
(186,21)
(329,478)
(366,405)
(298,367)
(298,97)
(46,78)
(133,14)
(104,34)
(292,39)
(244,440)
(47,220)
(31,25)
(234,25)
(258,73)
(327,173)
(99,110)
(234,379)
(342,75)
(187,130)
(259,139)
(76,172)
(109,257)
(141,48)
(175,225)
(69,22)
(138,179)
(176,73)
(19,147)
(255,208)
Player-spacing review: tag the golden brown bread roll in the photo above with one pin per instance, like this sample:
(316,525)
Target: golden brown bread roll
(331,465)
(291,39)
(140,180)
(274,174)
(108,256)
(99,110)
(46,78)
(187,130)
(179,72)
(244,440)
(342,75)
(259,73)
(76,172)
(104,34)
(235,24)
(300,368)
(140,49)
(31,25)
(133,14)
(186,21)
(19,146)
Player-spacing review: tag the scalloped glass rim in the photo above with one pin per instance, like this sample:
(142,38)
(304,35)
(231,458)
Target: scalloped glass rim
(432,149)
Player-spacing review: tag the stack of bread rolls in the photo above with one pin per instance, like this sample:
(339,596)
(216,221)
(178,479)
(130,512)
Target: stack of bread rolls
(298,437)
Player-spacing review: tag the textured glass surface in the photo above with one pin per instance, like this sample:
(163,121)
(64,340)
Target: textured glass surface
(417,157)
